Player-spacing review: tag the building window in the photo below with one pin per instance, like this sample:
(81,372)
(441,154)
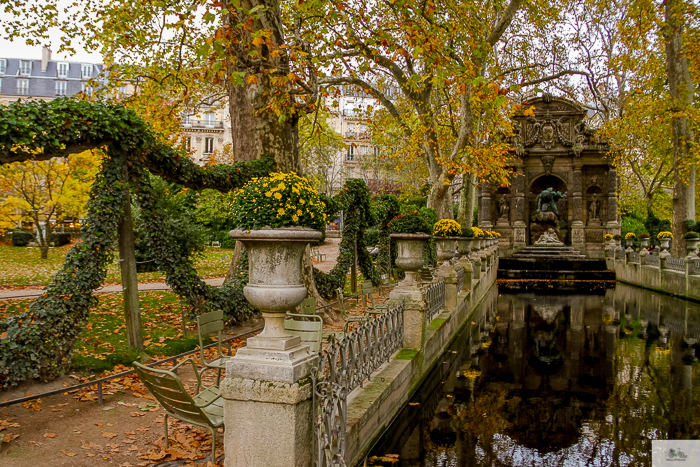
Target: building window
(186,119)
(23,87)
(87,71)
(3,66)
(25,67)
(350,133)
(121,90)
(87,89)
(376,152)
(61,88)
(188,143)
(351,153)
(208,145)
(209,119)
(62,70)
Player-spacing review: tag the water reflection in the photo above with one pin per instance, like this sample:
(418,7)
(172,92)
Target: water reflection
(557,380)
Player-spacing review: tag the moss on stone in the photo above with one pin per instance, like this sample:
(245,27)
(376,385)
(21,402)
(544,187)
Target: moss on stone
(406,354)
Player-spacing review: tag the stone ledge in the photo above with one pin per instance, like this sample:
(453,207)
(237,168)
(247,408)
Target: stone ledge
(266,391)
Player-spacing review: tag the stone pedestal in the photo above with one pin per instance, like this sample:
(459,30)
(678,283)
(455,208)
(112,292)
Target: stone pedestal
(413,313)
(450,277)
(267,422)
(519,235)
(578,237)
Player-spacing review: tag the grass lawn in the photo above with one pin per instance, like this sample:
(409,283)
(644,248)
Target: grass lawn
(24,266)
(102,344)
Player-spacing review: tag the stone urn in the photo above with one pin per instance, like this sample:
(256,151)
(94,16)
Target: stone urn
(445,249)
(691,246)
(629,242)
(410,256)
(464,246)
(665,244)
(275,285)
(644,243)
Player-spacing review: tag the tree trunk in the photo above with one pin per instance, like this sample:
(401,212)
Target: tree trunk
(328,315)
(440,199)
(235,259)
(130,282)
(465,214)
(691,194)
(681,92)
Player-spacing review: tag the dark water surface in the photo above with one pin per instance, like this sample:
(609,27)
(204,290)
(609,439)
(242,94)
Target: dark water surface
(556,380)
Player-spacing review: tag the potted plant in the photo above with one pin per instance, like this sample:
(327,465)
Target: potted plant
(411,232)
(630,238)
(445,233)
(608,238)
(479,236)
(644,239)
(692,239)
(665,238)
(464,245)
(618,240)
(276,217)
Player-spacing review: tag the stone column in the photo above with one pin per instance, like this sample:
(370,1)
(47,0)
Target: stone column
(578,239)
(414,311)
(450,277)
(485,207)
(519,225)
(612,226)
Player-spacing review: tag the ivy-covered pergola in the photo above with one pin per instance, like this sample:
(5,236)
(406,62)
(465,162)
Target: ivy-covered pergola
(39,342)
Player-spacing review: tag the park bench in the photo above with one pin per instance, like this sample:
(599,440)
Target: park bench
(316,254)
(306,324)
(216,244)
(205,409)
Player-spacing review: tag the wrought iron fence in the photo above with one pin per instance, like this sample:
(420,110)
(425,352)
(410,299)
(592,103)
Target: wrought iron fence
(460,279)
(346,364)
(697,267)
(676,264)
(653,260)
(633,257)
(435,296)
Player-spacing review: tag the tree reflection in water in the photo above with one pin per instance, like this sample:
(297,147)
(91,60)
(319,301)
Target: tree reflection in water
(558,380)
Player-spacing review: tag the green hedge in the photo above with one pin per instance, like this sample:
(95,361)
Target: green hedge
(60,238)
(21,238)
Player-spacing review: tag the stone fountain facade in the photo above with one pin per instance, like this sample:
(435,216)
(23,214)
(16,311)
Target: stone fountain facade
(554,149)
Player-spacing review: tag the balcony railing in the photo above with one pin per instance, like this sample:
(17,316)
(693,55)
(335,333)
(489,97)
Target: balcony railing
(192,123)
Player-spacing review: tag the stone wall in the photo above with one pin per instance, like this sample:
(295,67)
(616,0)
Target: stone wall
(660,279)
(371,408)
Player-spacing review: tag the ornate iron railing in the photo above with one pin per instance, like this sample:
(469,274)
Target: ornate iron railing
(346,364)
(653,260)
(676,264)
(435,296)
(460,280)
(696,270)
(633,257)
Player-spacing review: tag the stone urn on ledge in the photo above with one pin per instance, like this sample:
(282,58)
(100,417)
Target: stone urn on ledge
(410,255)
(275,284)
(445,249)
(464,247)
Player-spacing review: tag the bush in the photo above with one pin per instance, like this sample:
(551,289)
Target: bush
(21,238)
(372,237)
(60,239)
(429,215)
(691,236)
(467,231)
(409,223)
(654,225)
(633,225)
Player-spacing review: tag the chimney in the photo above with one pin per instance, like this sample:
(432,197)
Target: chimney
(45,57)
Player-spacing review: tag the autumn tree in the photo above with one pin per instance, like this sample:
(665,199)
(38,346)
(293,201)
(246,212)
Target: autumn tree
(46,191)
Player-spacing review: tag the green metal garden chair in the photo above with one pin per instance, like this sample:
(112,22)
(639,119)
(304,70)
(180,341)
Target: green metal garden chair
(370,308)
(209,323)
(205,409)
(306,324)
(344,314)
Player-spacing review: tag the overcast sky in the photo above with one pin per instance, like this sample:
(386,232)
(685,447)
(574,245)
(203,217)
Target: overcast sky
(18,49)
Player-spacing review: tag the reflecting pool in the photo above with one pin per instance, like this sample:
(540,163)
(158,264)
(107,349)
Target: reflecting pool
(565,380)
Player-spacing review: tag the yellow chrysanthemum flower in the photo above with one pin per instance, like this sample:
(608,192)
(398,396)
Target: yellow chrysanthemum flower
(278,196)
(295,218)
(280,211)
